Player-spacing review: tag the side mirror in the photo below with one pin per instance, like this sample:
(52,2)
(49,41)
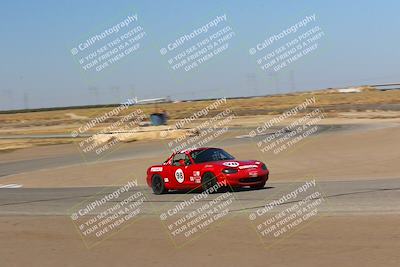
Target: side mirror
(182,162)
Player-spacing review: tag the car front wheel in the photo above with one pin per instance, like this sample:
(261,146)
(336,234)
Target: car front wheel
(158,186)
(258,186)
(208,181)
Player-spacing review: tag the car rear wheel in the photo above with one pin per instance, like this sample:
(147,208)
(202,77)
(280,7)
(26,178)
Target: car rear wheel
(208,181)
(158,186)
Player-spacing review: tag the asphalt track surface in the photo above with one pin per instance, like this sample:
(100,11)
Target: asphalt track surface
(340,197)
(138,150)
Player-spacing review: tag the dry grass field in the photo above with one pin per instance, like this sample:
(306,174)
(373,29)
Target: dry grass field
(369,104)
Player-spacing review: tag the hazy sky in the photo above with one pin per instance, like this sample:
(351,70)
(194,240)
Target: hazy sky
(359,46)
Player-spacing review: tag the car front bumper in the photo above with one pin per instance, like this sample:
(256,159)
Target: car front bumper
(248,178)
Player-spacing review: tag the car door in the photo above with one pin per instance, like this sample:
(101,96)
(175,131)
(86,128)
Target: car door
(192,171)
(182,176)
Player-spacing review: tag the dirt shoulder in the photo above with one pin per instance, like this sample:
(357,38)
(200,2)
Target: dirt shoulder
(329,241)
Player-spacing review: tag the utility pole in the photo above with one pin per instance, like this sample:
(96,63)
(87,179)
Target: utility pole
(115,92)
(26,100)
(292,80)
(93,90)
(251,81)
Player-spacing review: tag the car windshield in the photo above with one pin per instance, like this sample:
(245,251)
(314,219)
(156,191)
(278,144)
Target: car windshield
(210,154)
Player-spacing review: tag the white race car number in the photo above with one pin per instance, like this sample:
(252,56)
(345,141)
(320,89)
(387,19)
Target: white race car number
(231,164)
(179,176)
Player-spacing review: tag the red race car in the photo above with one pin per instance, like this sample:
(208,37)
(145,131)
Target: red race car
(205,167)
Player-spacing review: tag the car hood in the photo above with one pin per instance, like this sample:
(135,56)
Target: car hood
(237,163)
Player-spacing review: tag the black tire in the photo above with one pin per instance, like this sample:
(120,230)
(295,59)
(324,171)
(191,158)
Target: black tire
(258,186)
(208,181)
(234,188)
(158,186)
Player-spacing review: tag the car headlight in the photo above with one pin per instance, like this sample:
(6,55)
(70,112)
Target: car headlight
(264,167)
(229,170)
